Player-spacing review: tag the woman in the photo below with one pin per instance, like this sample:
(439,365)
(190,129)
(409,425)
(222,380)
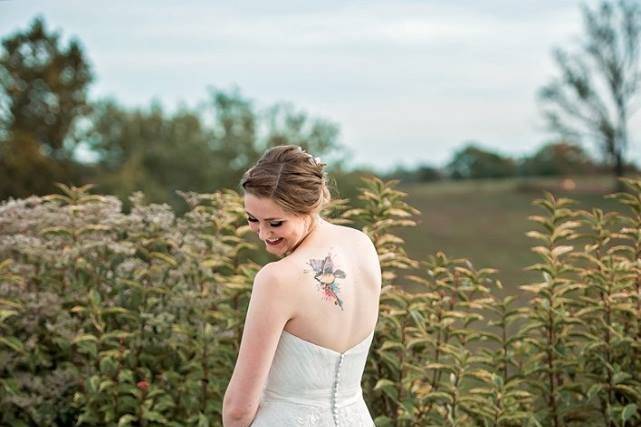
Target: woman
(312,314)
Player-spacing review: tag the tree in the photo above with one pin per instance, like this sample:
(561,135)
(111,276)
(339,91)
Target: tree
(592,98)
(419,173)
(235,135)
(151,151)
(286,125)
(557,158)
(43,92)
(190,150)
(241,134)
(474,162)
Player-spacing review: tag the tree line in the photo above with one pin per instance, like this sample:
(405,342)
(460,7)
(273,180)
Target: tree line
(472,161)
(590,100)
(50,131)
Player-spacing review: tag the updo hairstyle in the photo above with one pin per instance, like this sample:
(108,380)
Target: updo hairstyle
(292,178)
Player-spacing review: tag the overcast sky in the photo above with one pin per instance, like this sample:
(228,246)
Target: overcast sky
(407,81)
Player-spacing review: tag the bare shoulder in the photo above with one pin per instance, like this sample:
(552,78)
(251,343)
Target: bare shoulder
(267,273)
(358,237)
(273,273)
(277,274)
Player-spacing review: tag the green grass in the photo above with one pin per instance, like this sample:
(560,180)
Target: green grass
(485,221)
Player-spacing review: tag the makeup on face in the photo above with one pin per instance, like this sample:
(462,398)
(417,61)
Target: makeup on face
(273,222)
(273,227)
(279,230)
(268,229)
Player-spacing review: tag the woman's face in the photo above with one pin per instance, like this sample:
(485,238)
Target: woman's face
(278,229)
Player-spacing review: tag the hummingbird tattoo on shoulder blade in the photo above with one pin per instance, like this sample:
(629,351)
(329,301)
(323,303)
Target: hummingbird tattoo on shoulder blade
(325,276)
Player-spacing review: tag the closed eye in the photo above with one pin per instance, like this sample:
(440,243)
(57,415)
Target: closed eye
(273,224)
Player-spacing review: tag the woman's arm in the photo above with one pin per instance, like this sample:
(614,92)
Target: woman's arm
(269,309)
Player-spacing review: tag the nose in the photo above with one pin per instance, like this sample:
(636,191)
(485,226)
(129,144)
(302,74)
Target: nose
(262,233)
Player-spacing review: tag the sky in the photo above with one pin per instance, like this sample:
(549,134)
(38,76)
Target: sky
(407,82)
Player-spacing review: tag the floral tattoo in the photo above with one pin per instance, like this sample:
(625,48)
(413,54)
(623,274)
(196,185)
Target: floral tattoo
(326,276)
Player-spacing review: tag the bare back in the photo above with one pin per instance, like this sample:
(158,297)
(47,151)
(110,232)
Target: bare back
(335,282)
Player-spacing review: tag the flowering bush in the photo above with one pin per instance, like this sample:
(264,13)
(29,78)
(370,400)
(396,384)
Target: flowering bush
(120,318)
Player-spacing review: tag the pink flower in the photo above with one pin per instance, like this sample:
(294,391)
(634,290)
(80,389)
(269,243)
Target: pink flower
(143,385)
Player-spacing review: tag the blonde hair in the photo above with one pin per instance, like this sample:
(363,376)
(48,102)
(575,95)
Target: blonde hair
(292,178)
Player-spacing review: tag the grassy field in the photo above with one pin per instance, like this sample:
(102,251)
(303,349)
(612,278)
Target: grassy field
(485,221)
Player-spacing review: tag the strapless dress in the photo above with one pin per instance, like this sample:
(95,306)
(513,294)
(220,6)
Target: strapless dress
(311,385)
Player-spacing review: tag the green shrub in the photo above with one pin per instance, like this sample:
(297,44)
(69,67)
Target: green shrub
(108,318)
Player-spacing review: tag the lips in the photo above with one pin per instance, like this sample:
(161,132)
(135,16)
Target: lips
(274,242)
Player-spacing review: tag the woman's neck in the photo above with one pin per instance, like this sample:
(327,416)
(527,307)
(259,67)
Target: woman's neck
(317,222)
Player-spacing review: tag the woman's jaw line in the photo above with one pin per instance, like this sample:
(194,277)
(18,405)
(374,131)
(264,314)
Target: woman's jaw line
(276,247)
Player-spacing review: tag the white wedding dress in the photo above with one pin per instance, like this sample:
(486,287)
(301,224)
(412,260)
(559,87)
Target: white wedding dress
(310,385)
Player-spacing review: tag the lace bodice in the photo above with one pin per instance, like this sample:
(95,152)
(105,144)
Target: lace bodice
(311,385)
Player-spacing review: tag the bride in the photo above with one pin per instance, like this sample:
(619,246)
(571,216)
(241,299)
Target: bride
(312,314)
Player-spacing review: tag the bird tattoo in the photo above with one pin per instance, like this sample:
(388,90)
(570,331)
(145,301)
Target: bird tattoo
(325,276)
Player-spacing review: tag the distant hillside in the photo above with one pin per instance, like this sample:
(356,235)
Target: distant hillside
(485,221)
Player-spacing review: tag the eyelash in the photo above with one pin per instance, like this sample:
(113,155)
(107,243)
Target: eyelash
(273,224)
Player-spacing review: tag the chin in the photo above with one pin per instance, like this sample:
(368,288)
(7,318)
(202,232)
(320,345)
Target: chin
(276,251)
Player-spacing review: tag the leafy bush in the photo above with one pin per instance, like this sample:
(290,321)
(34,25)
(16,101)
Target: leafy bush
(109,318)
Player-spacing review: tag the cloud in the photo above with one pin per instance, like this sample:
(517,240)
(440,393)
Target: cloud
(421,75)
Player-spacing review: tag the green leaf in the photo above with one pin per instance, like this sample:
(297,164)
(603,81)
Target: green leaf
(4,314)
(388,387)
(620,377)
(165,258)
(439,396)
(126,376)
(108,366)
(561,250)
(630,391)
(84,337)
(387,345)
(203,421)
(390,360)
(383,421)
(107,384)
(382,383)
(61,231)
(13,343)
(628,412)
(153,416)
(126,420)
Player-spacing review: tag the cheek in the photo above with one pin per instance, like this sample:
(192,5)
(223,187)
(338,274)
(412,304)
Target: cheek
(281,232)
(294,233)
(253,226)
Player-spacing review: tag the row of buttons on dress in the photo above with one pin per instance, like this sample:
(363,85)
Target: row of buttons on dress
(335,390)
